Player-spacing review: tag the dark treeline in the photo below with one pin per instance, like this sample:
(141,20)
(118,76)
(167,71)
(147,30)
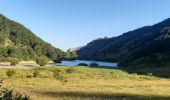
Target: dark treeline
(146,46)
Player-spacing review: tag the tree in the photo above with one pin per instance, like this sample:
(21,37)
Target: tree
(19,42)
(42,61)
(70,55)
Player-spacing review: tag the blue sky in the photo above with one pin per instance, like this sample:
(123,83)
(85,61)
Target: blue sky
(73,23)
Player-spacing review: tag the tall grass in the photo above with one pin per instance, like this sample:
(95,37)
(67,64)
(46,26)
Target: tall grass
(85,83)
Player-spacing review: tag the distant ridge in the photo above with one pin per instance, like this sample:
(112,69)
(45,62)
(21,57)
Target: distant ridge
(146,46)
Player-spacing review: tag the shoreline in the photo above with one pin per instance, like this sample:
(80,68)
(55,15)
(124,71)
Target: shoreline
(24,65)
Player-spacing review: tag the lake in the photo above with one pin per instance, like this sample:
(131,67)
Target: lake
(88,62)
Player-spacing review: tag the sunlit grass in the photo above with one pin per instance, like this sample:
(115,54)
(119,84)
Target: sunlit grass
(84,83)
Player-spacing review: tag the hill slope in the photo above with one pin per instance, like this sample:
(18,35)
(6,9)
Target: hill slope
(19,42)
(149,45)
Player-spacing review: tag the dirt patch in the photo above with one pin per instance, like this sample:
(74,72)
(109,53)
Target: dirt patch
(23,65)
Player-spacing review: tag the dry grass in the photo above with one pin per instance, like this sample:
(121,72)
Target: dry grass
(85,83)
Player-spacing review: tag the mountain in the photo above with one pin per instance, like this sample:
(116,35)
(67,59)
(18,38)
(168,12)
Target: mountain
(19,42)
(146,46)
(74,49)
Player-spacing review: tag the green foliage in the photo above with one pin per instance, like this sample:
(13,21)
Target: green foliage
(19,42)
(2,59)
(58,75)
(71,70)
(36,73)
(10,72)
(42,61)
(6,94)
(10,95)
(13,61)
(2,39)
(70,55)
(62,79)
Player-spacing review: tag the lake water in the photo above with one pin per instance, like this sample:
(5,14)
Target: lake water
(88,62)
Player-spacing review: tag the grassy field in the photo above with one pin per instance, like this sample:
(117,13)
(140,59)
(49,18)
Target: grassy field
(163,72)
(84,83)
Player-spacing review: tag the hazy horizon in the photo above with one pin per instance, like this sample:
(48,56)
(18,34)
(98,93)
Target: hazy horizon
(68,24)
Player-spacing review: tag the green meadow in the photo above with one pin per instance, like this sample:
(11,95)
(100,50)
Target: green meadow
(84,83)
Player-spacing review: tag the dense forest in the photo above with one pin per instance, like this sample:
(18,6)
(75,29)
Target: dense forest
(146,46)
(16,41)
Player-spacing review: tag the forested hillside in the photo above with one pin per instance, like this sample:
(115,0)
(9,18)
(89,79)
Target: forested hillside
(18,42)
(146,46)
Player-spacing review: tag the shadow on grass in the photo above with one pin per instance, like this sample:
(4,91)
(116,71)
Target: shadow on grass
(101,96)
(162,72)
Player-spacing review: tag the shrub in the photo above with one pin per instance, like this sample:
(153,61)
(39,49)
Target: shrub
(58,75)
(57,61)
(94,64)
(2,59)
(82,64)
(70,70)
(42,61)
(36,73)
(62,78)
(29,76)
(10,95)
(10,72)
(6,94)
(13,61)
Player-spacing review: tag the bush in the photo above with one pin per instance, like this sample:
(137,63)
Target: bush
(2,59)
(58,75)
(13,61)
(10,72)
(29,76)
(94,64)
(70,70)
(82,64)
(6,94)
(62,79)
(42,61)
(10,95)
(57,61)
(36,73)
